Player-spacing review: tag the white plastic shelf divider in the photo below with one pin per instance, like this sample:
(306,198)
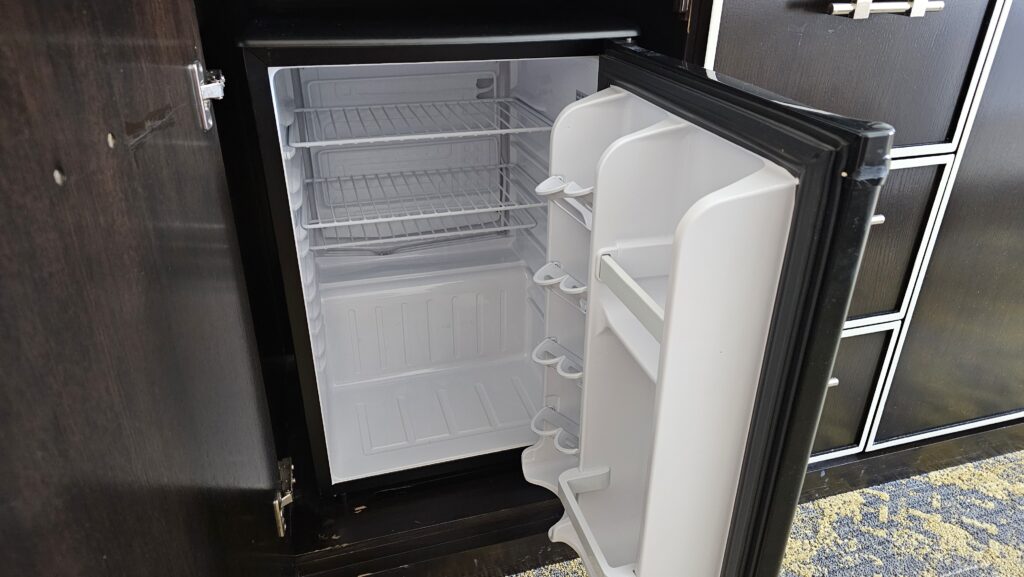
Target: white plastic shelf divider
(339,126)
(416,194)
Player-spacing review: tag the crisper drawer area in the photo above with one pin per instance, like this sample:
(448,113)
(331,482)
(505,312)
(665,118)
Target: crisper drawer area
(428,368)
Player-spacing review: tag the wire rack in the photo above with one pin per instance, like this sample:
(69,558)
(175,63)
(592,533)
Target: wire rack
(417,195)
(417,205)
(378,235)
(334,126)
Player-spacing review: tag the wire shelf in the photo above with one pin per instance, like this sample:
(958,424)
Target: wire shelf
(417,195)
(334,126)
(401,232)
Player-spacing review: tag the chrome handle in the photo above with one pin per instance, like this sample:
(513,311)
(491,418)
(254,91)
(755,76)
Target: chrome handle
(877,219)
(861,9)
(833,382)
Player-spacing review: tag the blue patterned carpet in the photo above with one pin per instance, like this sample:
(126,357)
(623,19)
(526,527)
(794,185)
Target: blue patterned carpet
(966,521)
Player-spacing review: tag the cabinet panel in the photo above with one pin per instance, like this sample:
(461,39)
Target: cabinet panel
(889,255)
(909,72)
(961,360)
(858,366)
(133,418)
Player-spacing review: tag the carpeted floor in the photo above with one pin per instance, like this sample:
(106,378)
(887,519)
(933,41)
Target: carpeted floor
(966,521)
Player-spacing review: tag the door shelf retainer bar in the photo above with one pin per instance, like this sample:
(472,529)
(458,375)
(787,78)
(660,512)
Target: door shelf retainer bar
(647,311)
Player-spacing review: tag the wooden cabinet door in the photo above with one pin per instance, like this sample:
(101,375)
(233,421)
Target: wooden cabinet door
(860,363)
(888,264)
(912,73)
(960,364)
(133,422)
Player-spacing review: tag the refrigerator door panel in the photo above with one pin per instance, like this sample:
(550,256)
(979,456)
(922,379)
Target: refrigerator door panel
(726,232)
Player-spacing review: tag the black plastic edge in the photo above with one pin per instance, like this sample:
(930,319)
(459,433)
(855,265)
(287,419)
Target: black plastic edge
(314,55)
(258,78)
(841,164)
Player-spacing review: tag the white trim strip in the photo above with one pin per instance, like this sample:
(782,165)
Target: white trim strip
(872,320)
(916,269)
(923,150)
(947,430)
(714,25)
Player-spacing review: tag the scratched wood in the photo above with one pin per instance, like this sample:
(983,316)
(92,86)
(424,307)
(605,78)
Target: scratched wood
(133,430)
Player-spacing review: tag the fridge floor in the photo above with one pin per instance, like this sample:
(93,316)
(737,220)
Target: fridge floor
(423,418)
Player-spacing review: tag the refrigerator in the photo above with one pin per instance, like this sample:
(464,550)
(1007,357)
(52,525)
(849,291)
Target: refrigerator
(629,271)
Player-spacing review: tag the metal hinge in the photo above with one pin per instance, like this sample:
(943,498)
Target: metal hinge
(284,494)
(207,85)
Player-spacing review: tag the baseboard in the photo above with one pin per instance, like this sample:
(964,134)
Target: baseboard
(866,469)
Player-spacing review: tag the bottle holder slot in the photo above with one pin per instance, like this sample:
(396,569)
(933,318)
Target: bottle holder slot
(552,275)
(551,354)
(557,187)
(550,423)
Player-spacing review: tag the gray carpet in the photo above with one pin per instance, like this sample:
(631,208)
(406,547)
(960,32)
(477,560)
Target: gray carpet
(966,521)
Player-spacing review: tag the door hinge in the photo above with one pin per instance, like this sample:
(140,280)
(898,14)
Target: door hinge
(284,494)
(207,85)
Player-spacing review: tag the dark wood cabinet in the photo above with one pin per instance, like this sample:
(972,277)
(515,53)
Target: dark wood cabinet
(133,421)
(859,365)
(890,254)
(961,360)
(913,73)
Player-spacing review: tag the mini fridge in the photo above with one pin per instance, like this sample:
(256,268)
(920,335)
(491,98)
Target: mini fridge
(628,269)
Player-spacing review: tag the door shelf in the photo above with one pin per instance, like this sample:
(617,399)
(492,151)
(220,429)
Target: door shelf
(566,363)
(566,433)
(339,126)
(572,483)
(416,195)
(377,235)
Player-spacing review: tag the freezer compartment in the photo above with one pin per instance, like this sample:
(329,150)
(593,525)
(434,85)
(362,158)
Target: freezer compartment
(418,234)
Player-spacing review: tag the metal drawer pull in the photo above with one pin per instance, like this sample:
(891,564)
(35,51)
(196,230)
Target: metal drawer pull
(877,219)
(861,9)
(833,382)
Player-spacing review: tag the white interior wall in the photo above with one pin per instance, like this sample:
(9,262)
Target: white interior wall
(441,309)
